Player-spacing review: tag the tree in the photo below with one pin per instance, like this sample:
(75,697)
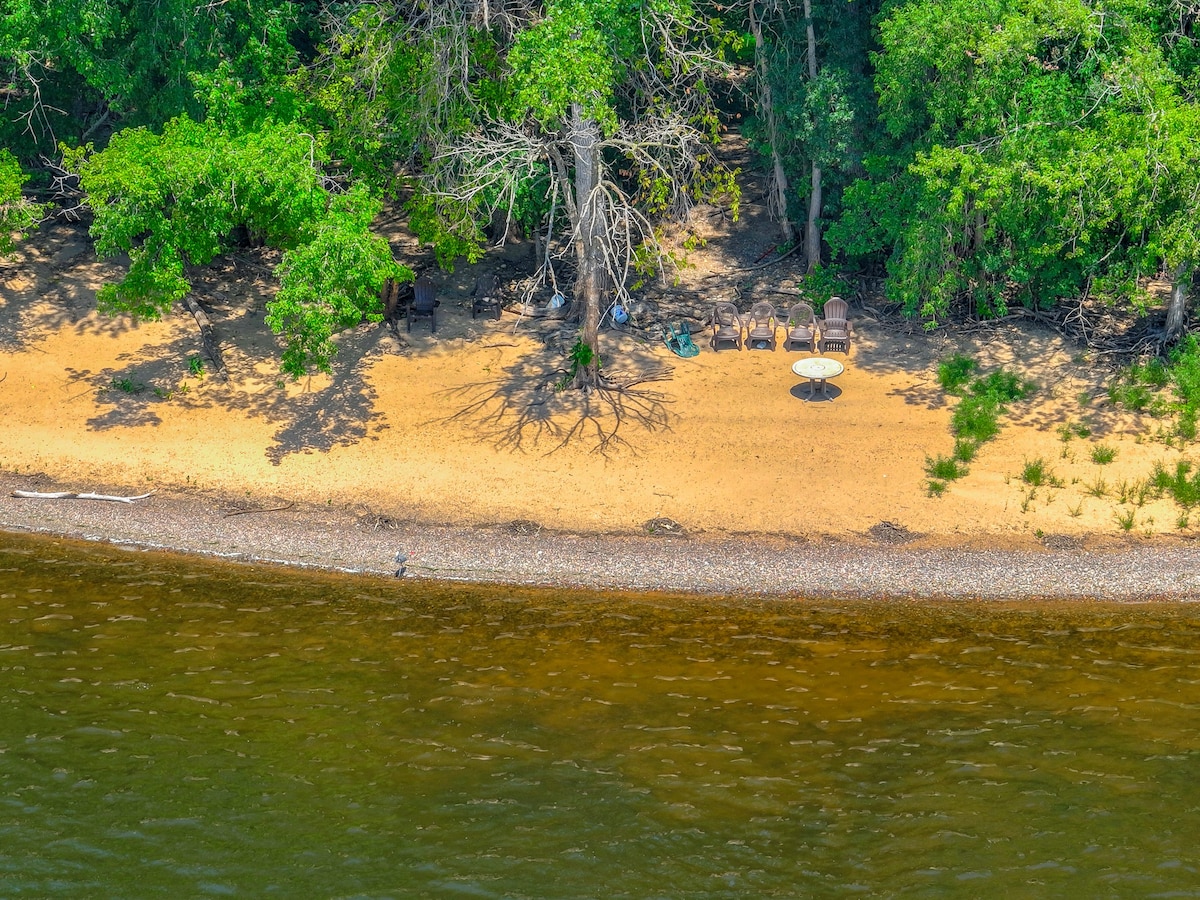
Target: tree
(173,200)
(606,103)
(18,214)
(777,194)
(1037,150)
(815,106)
(75,66)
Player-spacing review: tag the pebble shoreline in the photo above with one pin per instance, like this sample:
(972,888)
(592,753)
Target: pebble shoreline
(746,565)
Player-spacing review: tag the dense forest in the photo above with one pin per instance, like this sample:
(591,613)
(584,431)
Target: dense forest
(976,155)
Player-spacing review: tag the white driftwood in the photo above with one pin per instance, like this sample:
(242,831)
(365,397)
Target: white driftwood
(67,495)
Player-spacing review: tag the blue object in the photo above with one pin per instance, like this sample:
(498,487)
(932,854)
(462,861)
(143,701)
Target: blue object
(620,314)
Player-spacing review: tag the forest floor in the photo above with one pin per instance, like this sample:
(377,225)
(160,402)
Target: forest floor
(464,428)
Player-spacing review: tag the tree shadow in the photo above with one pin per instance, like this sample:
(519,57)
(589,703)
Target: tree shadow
(534,403)
(49,283)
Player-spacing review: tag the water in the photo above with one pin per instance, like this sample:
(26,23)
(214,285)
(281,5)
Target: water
(170,729)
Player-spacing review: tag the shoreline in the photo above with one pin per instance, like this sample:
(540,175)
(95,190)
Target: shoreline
(334,539)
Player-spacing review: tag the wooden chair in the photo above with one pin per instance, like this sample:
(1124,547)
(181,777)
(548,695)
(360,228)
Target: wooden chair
(762,328)
(727,326)
(801,327)
(487,296)
(835,326)
(424,304)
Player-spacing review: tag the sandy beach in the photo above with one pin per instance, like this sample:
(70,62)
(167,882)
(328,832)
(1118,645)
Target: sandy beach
(718,473)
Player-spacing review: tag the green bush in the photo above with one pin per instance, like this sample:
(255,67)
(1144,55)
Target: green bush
(1003,386)
(976,419)
(954,372)
(944,468)
(1181,485)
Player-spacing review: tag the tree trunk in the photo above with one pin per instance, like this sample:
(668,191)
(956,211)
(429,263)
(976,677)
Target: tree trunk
(589,239)
(777,195)
(812,226)
(1181,282)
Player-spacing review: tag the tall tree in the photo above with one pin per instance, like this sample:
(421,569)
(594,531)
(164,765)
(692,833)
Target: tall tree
(173,200)
(815,105)
(74,67)
(759,13)
(1037,150)
(606,104)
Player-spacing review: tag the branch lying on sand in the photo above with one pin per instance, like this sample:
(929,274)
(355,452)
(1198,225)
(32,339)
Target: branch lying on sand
(67,495)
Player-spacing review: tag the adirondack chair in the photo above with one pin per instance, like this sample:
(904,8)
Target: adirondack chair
(762,328)
(835,326)
(424,303)
(801,326)
(487,296)
(727,326)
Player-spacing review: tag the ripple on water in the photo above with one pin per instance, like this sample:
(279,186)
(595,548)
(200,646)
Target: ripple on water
(174,732)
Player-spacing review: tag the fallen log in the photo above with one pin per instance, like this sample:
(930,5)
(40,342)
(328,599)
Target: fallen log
(68,495)
(208,338)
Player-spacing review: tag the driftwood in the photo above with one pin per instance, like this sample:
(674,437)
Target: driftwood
(211,348)
(68,495)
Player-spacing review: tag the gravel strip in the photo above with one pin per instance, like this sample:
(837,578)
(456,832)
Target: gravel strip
(333,539)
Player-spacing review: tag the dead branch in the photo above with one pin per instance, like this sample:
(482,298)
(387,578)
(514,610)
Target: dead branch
(246,512)
(68,495)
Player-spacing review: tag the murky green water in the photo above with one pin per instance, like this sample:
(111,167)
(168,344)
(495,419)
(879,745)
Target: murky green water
(177,730)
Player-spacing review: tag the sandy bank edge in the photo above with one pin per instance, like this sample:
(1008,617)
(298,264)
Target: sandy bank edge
(338,540)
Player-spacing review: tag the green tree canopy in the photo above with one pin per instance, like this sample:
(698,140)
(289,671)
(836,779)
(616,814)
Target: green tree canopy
(173,200)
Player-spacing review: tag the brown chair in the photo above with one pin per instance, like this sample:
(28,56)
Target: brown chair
(801,327)
(835,326)
(727,326)
(761,327)
(487,296)
(424,303)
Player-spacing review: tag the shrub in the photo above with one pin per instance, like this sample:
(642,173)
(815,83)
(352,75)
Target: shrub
(954,372)
(1181,485)
(944,468)
(976,419)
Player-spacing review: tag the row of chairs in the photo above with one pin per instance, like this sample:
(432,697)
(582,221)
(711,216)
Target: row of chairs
(759,328)
(424,302)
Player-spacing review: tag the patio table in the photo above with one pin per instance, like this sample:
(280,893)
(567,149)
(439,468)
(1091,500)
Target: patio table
(818,370)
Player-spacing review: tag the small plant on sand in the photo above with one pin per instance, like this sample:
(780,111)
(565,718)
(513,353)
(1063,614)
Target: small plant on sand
(936,488)
(1126,519)
(1075,511)
(195,367)
(955,372)
(965,450)
(1102,454)
(976,419)
(1036,473)
(580,357)
(1142,490)
(1182,522)
(126,385)
(944,468)
(1182,485)
(1098,488)
(1124,491)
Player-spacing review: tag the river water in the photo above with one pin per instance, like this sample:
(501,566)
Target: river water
(170,728)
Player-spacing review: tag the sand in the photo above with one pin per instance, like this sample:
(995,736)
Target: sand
(463,433)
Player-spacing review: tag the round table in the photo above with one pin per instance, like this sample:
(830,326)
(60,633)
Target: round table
(818,369)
